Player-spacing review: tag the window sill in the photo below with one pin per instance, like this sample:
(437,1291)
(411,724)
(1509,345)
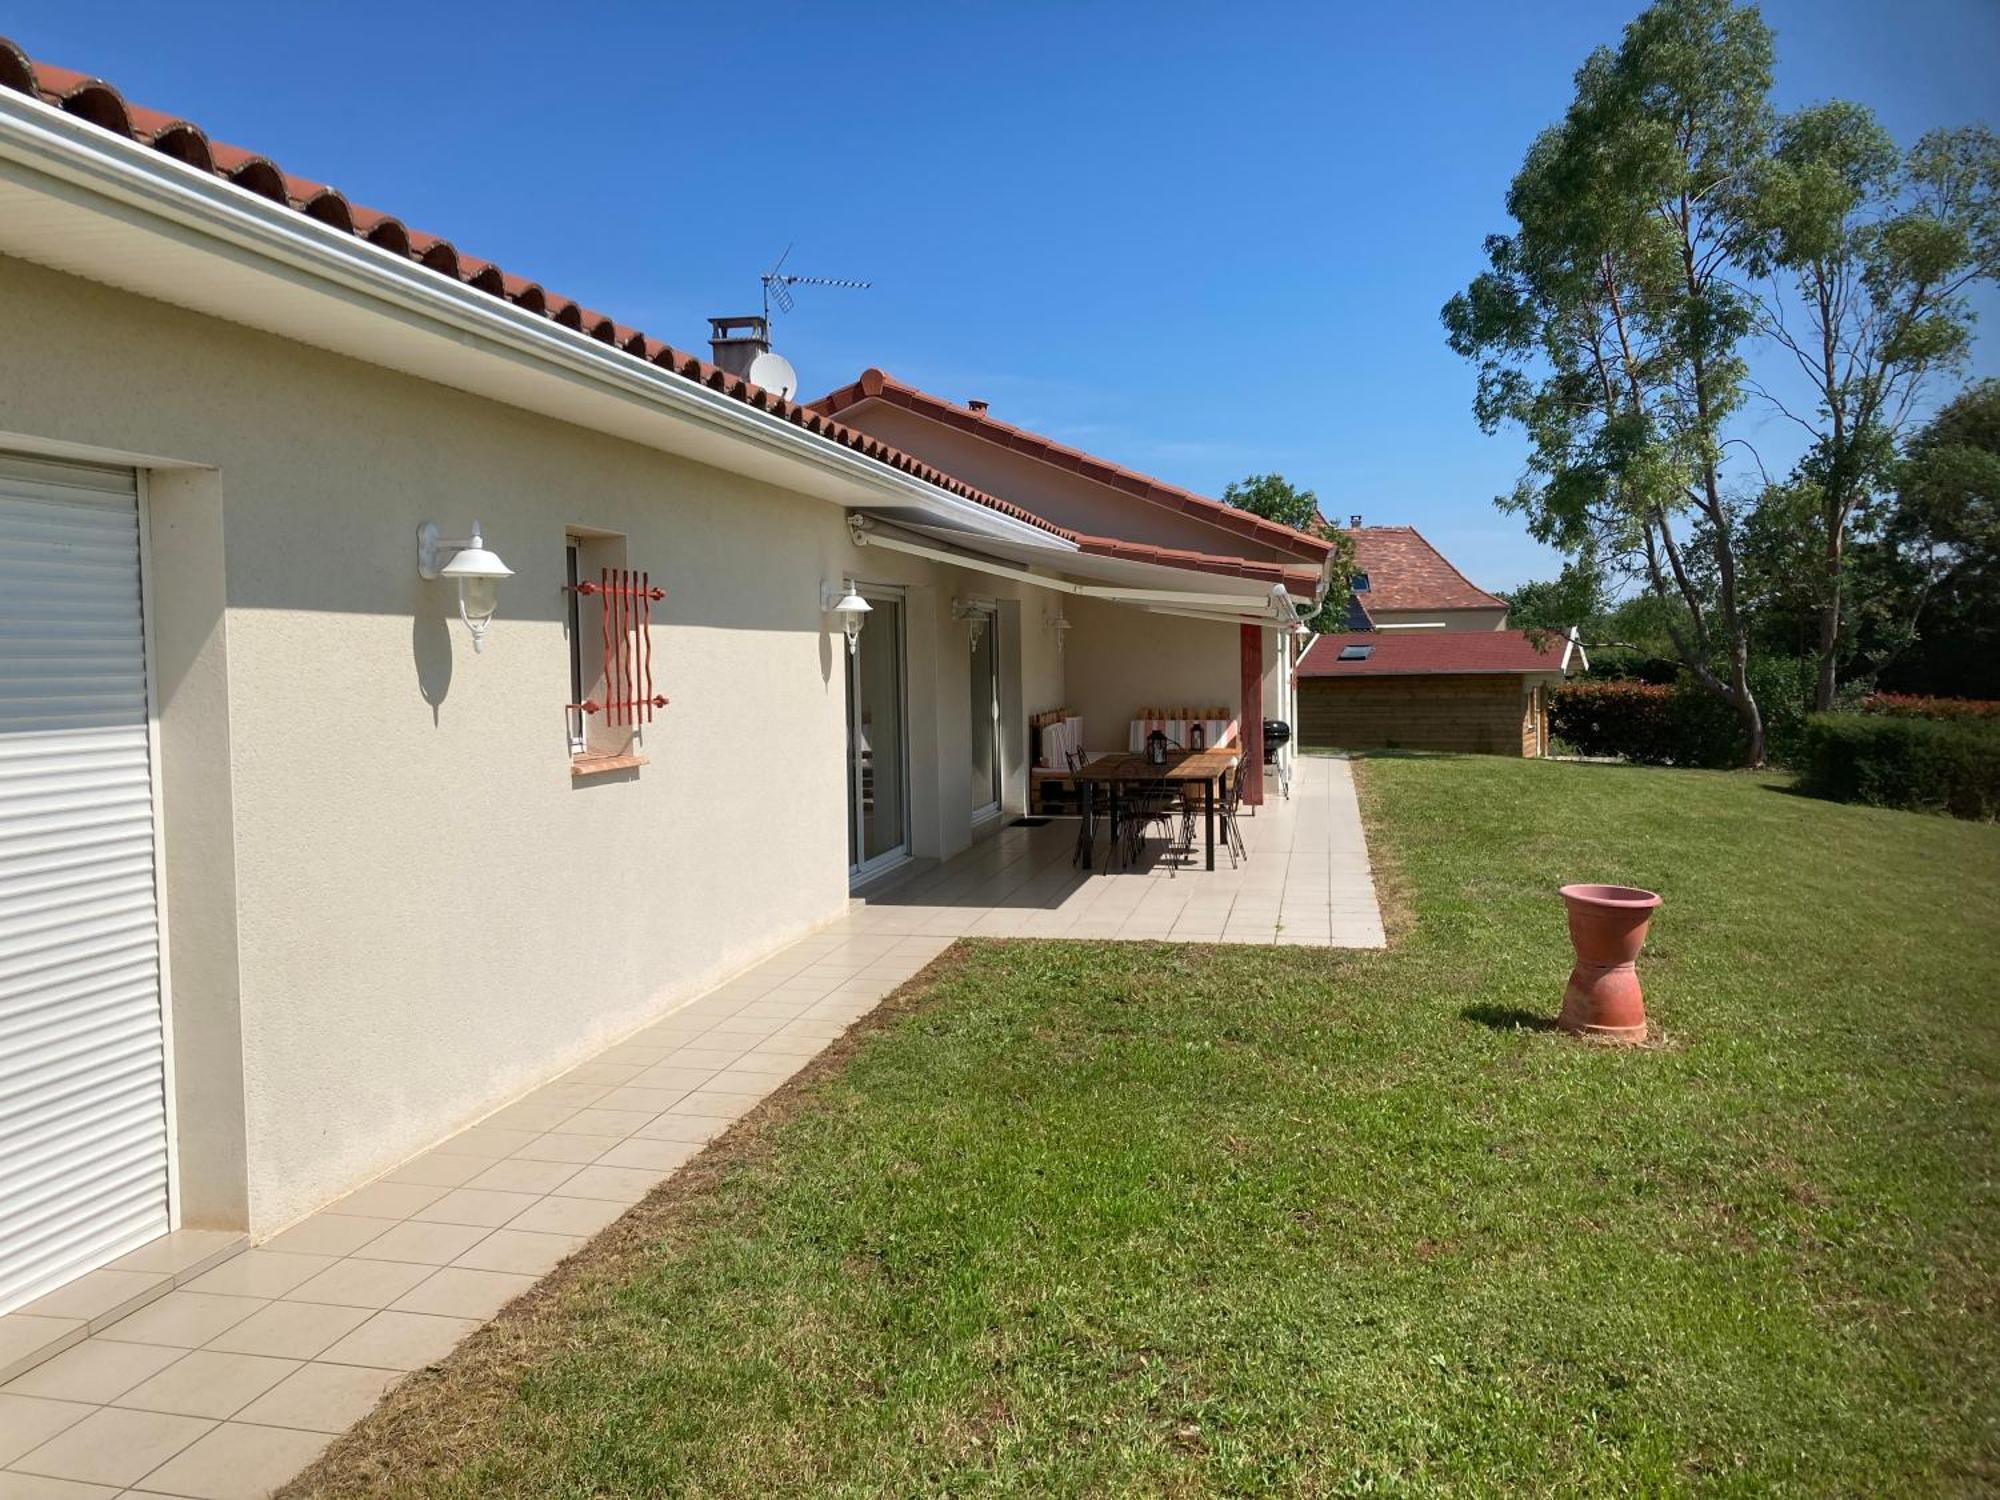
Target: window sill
(602,765)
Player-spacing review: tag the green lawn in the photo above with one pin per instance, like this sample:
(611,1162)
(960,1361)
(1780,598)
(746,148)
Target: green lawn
(1085,1219)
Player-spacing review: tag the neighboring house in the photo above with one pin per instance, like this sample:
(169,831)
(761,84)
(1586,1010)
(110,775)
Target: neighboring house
(293,881)
(1484,691)
(1402,582)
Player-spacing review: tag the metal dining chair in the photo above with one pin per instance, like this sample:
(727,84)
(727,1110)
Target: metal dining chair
(1146,804)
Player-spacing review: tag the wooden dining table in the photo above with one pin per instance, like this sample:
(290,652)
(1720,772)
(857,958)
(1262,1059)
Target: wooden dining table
(1186,768)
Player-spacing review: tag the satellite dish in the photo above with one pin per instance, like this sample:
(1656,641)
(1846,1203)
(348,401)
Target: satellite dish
(774,373)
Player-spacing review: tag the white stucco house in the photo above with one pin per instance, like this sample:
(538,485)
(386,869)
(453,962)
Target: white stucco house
(293,880)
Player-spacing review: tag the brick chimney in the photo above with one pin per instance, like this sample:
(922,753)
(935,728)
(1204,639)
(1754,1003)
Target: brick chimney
(977,405)
(738,341)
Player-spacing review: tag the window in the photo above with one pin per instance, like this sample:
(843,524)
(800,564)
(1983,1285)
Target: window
(1356,653)
(1359,583)
(610,653)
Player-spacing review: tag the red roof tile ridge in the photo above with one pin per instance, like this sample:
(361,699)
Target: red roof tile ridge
(878,384)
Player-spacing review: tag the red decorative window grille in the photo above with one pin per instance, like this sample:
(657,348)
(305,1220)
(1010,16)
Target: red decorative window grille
(627,599)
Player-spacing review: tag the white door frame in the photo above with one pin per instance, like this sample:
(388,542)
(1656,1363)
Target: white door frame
(860,868)
(983,812)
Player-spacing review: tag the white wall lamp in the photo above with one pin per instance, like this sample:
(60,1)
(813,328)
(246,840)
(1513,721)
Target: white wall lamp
(845,601)
(476,571)
(1060,626)
(974,617)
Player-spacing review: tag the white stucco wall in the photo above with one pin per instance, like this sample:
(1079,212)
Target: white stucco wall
(429,915)
(1120,660)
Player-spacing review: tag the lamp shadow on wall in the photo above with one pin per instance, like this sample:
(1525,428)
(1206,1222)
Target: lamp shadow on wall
(430,649)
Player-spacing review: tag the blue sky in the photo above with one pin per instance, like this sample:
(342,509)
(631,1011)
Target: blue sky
(1199,240)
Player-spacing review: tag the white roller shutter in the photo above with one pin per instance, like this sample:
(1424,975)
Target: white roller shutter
(83,1117)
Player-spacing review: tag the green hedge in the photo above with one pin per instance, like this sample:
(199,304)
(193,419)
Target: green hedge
(1928,765)
(1647,723)
(1684,724)
(1919,706)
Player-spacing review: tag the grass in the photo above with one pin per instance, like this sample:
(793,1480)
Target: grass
(1079,1219)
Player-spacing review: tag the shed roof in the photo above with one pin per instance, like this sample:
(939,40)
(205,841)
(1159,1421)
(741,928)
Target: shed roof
(1436,653)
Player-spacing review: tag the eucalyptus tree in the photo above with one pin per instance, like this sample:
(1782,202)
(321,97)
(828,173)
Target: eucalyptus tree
(1608,325)
(1868,254)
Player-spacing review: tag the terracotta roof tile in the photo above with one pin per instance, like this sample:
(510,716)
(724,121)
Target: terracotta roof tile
(878,385)
(1424,653)
(1406,572)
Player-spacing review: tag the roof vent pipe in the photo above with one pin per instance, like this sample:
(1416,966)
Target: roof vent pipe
(1354,523)
(978,406)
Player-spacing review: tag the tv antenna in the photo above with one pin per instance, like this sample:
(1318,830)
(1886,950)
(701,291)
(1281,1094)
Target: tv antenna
(778,284)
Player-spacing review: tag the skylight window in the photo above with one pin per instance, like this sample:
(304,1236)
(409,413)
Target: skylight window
(1356,653)
(1359,583)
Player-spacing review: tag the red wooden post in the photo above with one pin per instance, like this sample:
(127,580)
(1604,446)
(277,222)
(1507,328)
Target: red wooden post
(1252,769)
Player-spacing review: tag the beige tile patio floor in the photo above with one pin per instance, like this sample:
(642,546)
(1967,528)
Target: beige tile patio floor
(199,1369)
(1306,882)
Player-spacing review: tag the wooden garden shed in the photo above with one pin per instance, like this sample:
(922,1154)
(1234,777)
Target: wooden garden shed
(1483,692)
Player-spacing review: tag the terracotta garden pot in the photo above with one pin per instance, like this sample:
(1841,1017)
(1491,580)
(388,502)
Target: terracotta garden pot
(1607,927)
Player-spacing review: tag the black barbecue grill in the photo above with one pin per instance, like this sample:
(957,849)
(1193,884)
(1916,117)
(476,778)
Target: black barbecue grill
(1277,735)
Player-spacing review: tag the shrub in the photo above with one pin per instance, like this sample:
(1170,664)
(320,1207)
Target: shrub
(1629,664)
(1783,687)
(1919,706)
(1685,724)
(1647,722)
(1611,718)
(1887,760)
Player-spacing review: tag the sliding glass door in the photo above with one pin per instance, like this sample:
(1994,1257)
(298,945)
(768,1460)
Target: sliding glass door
(877,742)
(985,716)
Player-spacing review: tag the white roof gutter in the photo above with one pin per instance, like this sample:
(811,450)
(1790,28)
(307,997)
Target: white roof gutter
(78,162)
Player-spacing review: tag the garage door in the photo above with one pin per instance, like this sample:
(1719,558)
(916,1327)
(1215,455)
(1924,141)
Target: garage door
(83,1117)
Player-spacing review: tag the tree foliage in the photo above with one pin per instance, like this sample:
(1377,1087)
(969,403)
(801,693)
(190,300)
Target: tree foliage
(1667,230)
(1934,573)
(1869,254)
(1608,327)
(1574,598)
